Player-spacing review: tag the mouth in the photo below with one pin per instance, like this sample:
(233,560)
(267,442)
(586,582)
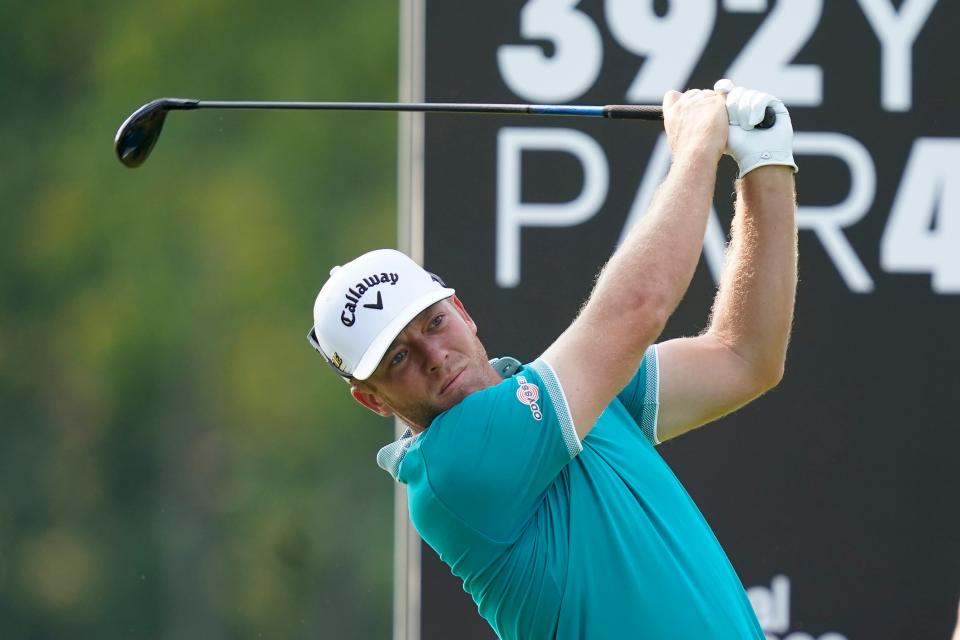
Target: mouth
(451,382)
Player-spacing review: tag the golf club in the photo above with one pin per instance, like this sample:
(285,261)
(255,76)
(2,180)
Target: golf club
(138,134)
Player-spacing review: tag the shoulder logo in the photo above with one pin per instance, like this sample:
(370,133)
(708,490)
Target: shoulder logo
(528,394)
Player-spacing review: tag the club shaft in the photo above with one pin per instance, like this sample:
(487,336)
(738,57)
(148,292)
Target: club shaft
(138,134)
(641,112)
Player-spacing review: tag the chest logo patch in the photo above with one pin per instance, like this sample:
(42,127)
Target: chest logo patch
(528,394)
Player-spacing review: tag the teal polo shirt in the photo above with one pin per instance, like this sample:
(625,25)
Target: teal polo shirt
(555,537)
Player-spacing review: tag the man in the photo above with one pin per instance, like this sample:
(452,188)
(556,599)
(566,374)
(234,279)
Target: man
(539,484)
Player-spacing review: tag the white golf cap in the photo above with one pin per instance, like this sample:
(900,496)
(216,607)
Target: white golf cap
(365,304)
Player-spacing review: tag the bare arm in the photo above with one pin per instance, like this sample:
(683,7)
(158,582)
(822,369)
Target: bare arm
(646,277)
(743,351)
(956,631)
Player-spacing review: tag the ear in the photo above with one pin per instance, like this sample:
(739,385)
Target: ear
(463,313)
(371,401)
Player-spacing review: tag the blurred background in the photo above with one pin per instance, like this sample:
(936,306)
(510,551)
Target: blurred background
(176,462)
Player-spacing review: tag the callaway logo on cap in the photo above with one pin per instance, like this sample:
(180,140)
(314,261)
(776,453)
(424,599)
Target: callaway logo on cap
(365,304)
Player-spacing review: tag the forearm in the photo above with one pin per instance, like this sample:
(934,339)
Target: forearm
(659,255)
(753,309)
(648,274)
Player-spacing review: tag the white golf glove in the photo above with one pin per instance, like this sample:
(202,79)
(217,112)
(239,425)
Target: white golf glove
(752,147)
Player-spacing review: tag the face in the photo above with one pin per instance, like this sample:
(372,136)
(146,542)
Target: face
(435,362)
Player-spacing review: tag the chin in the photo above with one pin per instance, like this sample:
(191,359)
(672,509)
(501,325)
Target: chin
(456,396)
(453,398)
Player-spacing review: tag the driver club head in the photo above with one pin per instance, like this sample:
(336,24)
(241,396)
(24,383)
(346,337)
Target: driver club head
(139,132)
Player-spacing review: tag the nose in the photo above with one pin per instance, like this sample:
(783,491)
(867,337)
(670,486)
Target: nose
(434,355)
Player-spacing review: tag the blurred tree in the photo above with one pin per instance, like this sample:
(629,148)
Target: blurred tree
(176,461)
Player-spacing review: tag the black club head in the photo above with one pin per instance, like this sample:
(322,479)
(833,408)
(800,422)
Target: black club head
(139,132)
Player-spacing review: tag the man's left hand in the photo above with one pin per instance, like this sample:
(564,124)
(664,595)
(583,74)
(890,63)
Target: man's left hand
(749,146)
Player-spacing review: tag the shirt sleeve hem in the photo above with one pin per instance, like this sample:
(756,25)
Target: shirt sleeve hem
(559,402)
(651,413)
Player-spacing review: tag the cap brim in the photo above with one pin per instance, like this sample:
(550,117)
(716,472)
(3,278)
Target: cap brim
(374,353)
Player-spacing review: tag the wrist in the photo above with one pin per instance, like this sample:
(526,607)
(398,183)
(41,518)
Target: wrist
(700,153)
(766,180)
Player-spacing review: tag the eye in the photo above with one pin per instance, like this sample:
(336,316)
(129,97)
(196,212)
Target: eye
(437,321)
(398,357)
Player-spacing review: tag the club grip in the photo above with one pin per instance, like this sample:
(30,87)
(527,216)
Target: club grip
(769,119)
(633,111)
(655,112)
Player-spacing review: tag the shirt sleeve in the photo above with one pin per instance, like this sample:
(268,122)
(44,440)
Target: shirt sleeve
(641,396)
(490,458)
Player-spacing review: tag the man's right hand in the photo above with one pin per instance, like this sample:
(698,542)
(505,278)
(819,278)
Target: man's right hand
(695,122)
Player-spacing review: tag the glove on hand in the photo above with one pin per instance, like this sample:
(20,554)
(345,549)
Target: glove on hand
(752,147)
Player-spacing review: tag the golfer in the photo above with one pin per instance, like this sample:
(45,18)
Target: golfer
(539,484)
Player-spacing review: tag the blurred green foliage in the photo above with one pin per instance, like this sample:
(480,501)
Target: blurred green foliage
(176,462)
